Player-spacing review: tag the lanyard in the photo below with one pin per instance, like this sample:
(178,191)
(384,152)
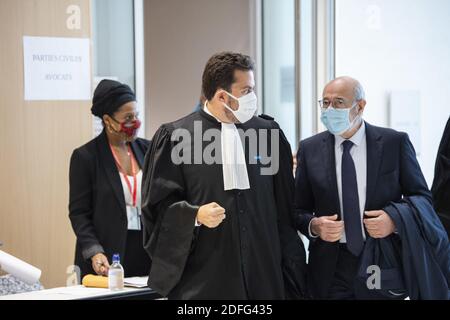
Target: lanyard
(133,191)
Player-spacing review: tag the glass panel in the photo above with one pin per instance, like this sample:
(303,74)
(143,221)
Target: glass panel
(307,70)
(399,51)
(113,45)
(113,40)
(279,64)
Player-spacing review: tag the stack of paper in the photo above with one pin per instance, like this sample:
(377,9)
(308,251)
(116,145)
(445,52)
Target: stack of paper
(136,282)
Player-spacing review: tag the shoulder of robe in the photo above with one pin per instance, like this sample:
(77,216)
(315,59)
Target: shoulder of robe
(181,123)
(184,121)
(162,137)
(271,120)
(263,121)
(266,117)
(274,125)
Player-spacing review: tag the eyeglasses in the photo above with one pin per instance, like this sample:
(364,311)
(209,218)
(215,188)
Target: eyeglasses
(130,117)
(337,103)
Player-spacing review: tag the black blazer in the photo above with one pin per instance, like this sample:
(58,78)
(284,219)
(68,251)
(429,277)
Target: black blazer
(97,208)
(392,172)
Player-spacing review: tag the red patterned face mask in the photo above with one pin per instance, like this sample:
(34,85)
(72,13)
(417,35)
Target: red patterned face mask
(130,128)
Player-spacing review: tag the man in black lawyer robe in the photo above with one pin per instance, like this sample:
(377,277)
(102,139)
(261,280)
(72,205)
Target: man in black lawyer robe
(441,182)
(222,230)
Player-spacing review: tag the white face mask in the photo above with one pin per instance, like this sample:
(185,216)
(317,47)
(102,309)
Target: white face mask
(247,106)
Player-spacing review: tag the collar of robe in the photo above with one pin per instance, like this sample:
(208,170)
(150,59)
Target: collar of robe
(234,167)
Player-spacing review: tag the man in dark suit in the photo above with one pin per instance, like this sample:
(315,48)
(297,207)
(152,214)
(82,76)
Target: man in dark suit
(344,178)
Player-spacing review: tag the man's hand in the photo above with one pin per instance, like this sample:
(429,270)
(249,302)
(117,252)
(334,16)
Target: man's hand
(211,215)
(100,264)
(327,228)
(379,224)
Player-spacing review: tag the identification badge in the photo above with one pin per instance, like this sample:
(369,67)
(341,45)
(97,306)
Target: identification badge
(134,218)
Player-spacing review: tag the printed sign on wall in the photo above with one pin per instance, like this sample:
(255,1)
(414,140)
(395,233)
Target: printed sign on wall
(56,68)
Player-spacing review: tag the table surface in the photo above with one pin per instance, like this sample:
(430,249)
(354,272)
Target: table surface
(80,293)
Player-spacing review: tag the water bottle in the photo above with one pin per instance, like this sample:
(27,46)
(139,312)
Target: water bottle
(115,274)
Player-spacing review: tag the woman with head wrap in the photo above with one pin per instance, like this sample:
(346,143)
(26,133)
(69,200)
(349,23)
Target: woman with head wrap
(105,187)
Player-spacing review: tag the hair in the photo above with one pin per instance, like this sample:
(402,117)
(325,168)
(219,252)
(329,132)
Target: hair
(358,92)
(219,71)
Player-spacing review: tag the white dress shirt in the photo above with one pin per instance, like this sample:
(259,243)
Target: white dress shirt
(359,155)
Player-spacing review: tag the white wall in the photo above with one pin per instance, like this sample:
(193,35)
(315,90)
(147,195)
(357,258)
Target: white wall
(399,45)
(113,40)
(180,37)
